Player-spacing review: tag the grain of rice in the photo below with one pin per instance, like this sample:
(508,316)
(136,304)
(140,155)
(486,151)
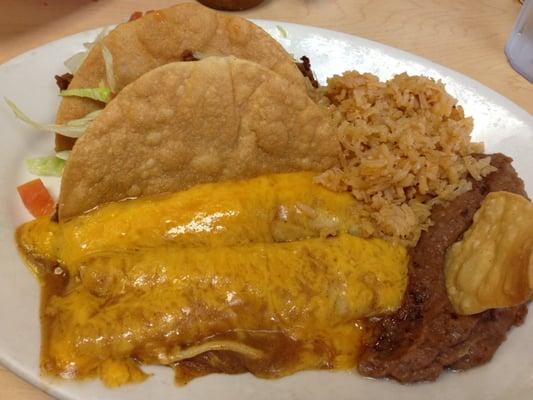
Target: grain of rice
(406,147)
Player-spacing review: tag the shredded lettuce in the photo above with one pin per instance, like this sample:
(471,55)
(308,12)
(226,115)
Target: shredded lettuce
(64,155)
(101,35)
(102,94)
(73,129)
(283,32)
(74,62)
(199,55)
(45,166)
(110,74)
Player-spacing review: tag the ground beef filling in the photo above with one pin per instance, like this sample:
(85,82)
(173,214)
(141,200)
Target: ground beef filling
(188,55)
(62,81)
(425,336)
(305,68)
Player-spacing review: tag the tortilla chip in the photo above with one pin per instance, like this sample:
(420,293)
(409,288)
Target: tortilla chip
(187,123)
(161,37)
(492,267)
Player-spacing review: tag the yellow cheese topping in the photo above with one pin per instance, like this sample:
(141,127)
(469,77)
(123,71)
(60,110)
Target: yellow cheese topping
(280,207)
(275,285)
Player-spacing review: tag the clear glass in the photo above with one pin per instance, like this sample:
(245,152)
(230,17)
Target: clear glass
(519,48)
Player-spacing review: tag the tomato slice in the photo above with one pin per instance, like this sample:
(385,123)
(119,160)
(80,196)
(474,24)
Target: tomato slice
(36,198)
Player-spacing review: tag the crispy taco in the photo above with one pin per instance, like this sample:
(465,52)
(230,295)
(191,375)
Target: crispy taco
(216,119)
(162,37)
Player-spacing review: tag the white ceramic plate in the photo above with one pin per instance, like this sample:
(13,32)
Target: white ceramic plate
(28,80)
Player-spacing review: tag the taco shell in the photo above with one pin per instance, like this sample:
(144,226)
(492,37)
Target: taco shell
(162,37)
(187,123)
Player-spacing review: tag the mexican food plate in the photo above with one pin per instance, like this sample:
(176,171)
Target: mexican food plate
(261,163)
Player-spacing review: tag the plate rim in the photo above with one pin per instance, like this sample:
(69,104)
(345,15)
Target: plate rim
(370,42)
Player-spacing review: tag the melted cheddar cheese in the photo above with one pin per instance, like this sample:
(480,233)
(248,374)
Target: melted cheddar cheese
(261,276)
(271,208)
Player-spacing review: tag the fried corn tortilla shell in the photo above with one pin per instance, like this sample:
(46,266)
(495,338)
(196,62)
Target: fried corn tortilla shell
(185,123)
(161,37)
(492,267)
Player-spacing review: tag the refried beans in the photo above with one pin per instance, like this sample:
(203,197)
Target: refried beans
(425,336)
